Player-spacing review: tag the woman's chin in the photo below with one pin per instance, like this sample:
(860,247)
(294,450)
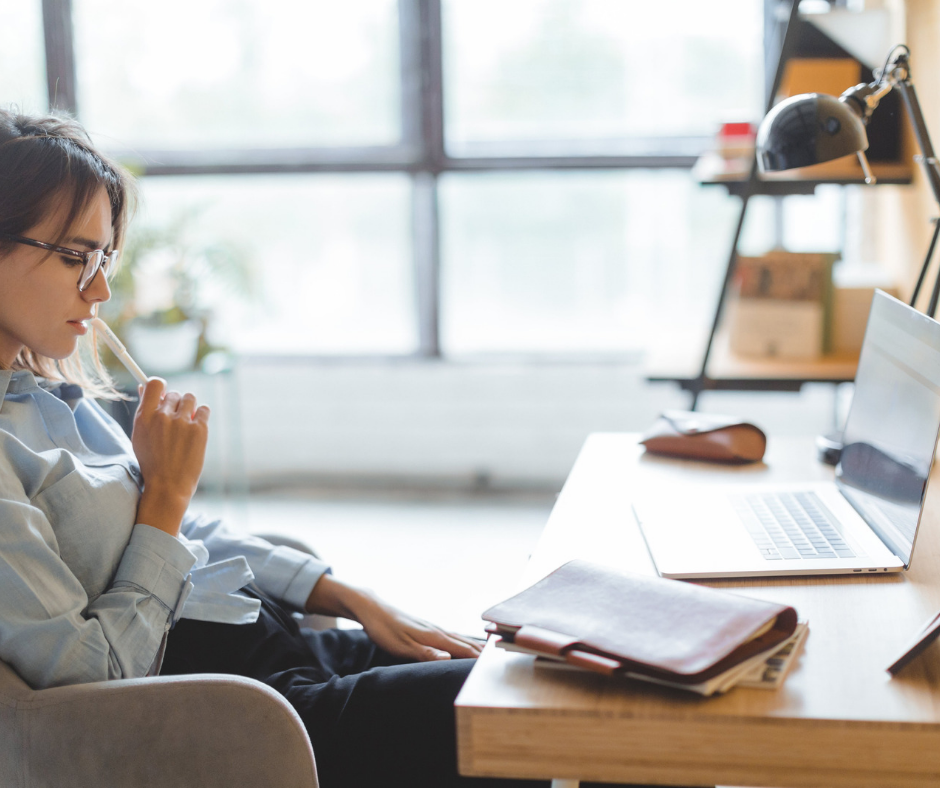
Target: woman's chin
(58,351)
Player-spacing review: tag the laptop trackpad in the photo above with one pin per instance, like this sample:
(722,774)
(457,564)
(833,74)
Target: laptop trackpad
(702,529)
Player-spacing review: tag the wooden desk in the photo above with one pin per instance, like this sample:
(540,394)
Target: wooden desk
(839,720)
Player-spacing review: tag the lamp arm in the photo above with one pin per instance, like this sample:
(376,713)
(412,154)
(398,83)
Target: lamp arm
(864,100)
(927,157)
(900,77)
(929,161)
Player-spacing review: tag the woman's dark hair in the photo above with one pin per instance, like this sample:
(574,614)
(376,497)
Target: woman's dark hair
(46,162)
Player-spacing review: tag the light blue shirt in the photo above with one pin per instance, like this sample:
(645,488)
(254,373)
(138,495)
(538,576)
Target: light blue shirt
(86,592)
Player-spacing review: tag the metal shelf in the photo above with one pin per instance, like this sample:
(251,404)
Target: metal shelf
(718,370)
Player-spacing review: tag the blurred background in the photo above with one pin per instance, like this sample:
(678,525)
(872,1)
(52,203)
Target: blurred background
(424,247)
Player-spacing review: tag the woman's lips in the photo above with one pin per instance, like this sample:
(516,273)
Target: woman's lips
(79,325)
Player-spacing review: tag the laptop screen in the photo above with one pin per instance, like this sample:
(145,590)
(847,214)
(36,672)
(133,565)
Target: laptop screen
(891,432)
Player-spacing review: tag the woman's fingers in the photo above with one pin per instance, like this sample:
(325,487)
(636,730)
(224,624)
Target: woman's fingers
(427,653)
(184,405)
(171,402)
(152,395)
(474,644)
(410,637)
(443,645)
(169,438)
(458,647)
(187,406)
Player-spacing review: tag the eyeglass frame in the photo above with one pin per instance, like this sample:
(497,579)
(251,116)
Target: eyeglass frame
(104,260)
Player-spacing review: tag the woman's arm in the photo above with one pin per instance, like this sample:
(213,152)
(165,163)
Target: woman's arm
(50,630)
(280,572)
(389,628)
(305,583)
(50,633)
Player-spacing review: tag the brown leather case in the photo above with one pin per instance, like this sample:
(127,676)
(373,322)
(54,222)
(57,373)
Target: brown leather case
(611,622)
(705,436)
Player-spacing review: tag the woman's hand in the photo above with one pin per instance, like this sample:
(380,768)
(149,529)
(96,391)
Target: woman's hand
(169,439)
(389,628)
(406,636)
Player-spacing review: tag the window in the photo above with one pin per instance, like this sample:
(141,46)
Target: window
(22,62)
(598,70)
(217,74)
(578,262)
(432,177)
(331,253)
(804,223)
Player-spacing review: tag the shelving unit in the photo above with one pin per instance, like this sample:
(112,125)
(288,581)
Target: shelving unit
(719,369)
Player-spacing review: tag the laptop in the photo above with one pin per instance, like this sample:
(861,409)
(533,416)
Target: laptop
(864,521)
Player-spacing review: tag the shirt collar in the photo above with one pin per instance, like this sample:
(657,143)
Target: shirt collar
(22,380)
(17,381)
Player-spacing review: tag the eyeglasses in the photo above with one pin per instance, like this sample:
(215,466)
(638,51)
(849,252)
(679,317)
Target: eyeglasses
(92,262)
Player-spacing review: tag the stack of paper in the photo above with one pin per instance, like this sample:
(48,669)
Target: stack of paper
(759,672)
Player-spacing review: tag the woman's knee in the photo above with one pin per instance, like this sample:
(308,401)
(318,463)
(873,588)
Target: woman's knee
(396,720)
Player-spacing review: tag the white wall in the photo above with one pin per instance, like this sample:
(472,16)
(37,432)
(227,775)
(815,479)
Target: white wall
(414,422)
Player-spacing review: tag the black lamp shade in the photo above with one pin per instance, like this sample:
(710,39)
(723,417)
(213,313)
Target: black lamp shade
(806,130)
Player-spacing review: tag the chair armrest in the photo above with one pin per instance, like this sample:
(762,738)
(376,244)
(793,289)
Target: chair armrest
(208,730)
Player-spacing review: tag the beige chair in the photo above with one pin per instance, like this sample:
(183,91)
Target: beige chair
(204,731)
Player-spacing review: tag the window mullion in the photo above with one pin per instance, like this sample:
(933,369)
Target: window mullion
(426,251)
(409,21)
(432,94)
(424,19)
(60,54)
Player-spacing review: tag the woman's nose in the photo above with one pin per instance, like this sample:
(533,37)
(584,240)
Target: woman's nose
(98,291)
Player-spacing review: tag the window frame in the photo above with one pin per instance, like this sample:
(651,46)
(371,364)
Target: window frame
(421,153)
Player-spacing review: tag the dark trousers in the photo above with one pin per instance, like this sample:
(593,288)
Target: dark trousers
(373,719)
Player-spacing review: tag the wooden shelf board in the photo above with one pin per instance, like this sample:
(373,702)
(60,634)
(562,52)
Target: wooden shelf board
(709,171)
(732,372)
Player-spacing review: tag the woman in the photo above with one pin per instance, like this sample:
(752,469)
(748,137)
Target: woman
(104,573)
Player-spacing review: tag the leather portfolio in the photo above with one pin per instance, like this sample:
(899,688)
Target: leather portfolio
(670,631)
(705,436)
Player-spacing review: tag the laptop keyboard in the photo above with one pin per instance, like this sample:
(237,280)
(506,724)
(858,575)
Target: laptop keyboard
(791,525)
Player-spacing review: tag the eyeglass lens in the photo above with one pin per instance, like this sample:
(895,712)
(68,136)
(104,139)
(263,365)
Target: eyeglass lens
(90,270)
(93,263)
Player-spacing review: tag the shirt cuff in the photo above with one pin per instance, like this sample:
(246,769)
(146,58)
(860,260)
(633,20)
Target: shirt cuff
(290,575)
(158,563)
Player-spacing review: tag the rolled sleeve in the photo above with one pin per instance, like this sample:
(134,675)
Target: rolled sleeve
(282,572)
(290,575)
(157,563)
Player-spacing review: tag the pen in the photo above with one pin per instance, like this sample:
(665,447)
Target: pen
(117,347)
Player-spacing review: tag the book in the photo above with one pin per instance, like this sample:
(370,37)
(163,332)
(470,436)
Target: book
(782,305)
(666,631)
(786,276)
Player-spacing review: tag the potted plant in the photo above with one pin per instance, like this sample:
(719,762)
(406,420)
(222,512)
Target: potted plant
(158,295)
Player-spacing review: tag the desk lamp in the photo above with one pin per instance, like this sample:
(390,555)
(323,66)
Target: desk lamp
(812,128)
